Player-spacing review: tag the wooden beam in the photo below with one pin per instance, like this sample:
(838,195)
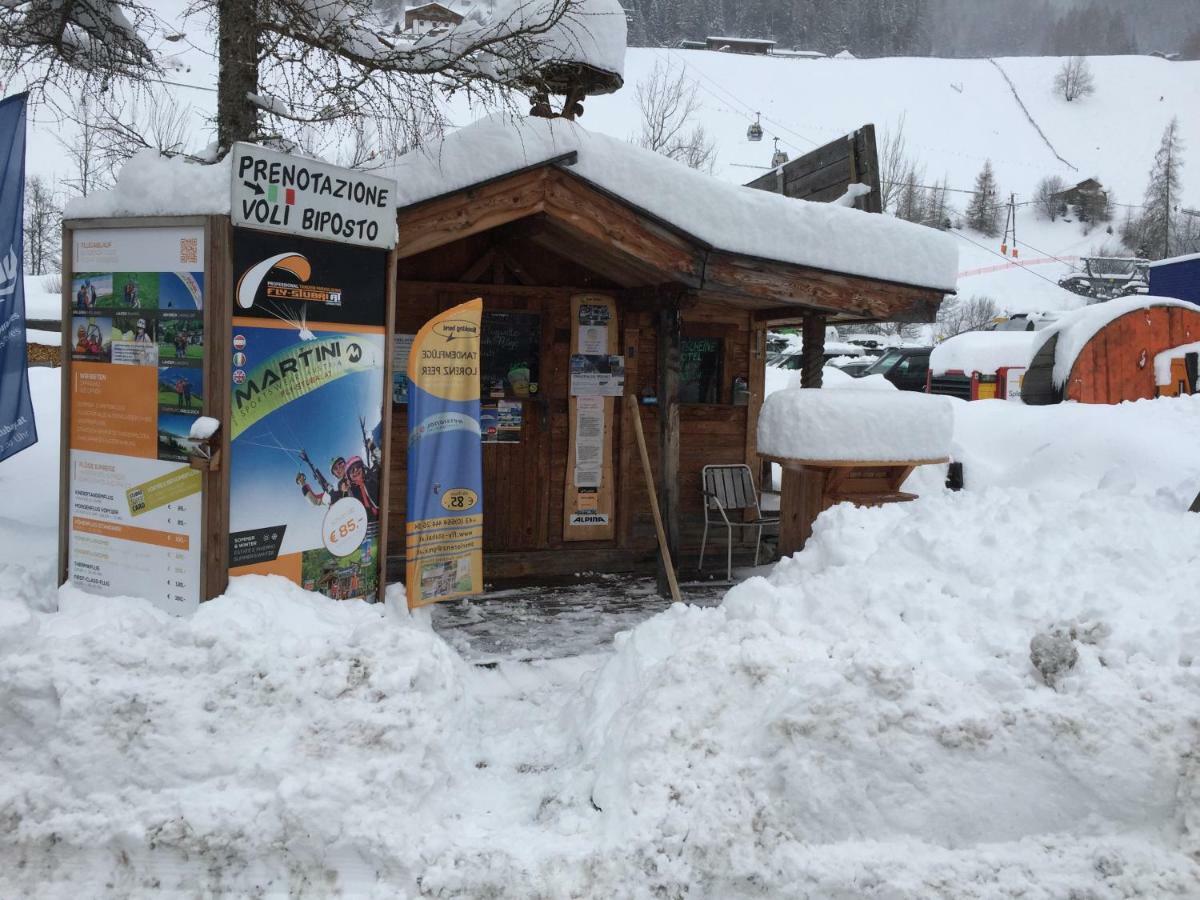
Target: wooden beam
(476,270)
(670,331)
(470,212)
(780,284)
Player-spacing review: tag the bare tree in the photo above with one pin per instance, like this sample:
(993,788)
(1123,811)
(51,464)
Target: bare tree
(1049,205)
(668,104)
(896,169)
(285,64)
(43,222)
(1074,80)
(958,315)
(90,170)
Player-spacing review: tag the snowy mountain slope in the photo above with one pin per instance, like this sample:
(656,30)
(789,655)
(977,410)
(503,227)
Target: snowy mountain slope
(956,114)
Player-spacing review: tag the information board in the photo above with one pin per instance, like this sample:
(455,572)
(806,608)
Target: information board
(307,396)
(137,347)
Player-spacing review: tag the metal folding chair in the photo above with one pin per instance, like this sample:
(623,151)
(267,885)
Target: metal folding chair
(730,489)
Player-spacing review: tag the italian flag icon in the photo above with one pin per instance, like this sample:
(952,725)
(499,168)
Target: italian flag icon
(273,195)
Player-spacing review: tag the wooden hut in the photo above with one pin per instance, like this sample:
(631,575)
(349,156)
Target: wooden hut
(685,274)
(1106,353)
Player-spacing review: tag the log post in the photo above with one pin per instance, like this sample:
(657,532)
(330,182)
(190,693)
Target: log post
(812,356)
(669,339)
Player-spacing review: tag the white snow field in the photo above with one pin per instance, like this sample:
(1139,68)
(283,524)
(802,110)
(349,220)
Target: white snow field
(865,721)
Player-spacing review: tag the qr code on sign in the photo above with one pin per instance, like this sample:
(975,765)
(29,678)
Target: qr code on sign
(189,251)
(137,501)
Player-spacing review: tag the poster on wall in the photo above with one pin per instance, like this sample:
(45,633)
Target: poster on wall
(444,525)
(401,348)
(137,347)
(597,376)
(307,382)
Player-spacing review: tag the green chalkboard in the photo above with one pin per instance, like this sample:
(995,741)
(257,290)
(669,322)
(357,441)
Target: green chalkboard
(512,347)
(700,361)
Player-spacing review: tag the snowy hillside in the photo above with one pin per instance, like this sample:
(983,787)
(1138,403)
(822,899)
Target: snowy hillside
(957,113)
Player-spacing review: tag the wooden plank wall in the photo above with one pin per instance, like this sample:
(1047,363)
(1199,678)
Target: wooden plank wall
(1118,363)
(523,483)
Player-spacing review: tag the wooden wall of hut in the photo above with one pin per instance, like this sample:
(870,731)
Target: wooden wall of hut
(1118,362)
(524,483)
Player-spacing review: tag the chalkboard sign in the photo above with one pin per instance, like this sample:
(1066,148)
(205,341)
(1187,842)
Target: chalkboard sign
(700,362)
(512,347)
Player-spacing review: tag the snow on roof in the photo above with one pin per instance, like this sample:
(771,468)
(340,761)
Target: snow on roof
(154,185)
(845,54)
(727,216)
(1191,257)
(741,40)
(984,352)
(1076,328)
(1162,361)
(592,32)
(855,425)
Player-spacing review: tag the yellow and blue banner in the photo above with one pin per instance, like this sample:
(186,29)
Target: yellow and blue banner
(444,522)
(17,429)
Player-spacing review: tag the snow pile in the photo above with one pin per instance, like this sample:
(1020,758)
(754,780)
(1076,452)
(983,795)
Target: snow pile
(984,352)
(722,215)
(150,184)
(855,425)
(40,302)
(1075,329)
(1146,448)
(867,721)
(256,725)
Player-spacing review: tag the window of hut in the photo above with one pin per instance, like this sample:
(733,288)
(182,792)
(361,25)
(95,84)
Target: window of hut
(700,375)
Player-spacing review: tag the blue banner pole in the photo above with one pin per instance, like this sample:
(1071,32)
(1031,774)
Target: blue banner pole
(17,429)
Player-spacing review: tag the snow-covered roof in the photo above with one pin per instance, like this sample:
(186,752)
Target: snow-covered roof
(1162,361)
(740,40)
(1191,257)
(713,212)
(1075,329)
(845,54)
(855,425)
(984,352)
(154,185)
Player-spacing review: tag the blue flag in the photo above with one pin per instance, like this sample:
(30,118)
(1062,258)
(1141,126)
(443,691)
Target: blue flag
(17,430)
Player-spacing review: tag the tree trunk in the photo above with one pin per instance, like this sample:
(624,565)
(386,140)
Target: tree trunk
(238,50)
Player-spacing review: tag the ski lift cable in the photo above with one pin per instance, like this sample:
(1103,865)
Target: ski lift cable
(1018,265)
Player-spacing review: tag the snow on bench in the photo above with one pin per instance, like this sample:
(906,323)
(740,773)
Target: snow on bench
(855,426)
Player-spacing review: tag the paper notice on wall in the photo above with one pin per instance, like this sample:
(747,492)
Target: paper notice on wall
(597,376)
(593,340)
(401,348)
(589,441)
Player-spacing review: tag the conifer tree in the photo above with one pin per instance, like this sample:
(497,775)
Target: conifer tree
(983,215)
(1157,229)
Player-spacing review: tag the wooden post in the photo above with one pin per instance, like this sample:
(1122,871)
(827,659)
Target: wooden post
(801,500)
(812,356)
(668,566)
(669,339)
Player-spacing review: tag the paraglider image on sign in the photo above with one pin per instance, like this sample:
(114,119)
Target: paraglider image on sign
(306,436)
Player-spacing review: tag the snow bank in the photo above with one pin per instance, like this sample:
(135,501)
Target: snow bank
(1145,448)
(867,722)
(1076,328)
(41,303)
(854,425)
(153,185)
(723,215)
(984,352)
(273,725)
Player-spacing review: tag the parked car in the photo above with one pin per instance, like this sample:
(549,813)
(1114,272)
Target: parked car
(905,367)
(855,367)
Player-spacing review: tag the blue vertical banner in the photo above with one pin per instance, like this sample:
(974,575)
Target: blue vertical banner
(17,430)
(444,527)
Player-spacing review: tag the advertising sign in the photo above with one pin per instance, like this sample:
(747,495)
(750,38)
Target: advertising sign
(137,347)
(273,191)
(597,375)
(17,430)
(444,527)
(308,390)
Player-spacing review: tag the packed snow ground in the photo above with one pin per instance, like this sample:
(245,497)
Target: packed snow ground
(863,722)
